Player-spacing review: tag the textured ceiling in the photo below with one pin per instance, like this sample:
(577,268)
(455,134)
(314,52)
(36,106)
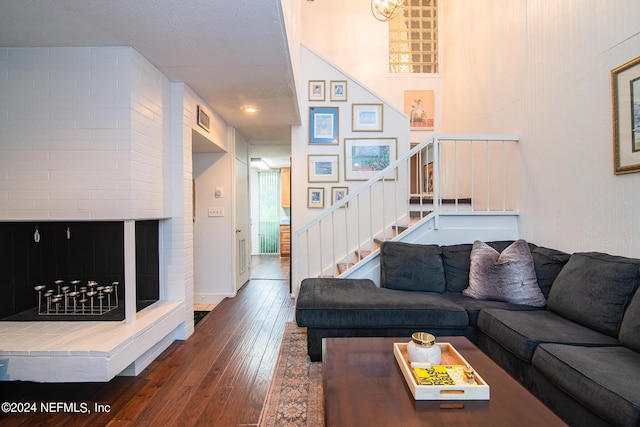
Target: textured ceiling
(230,52)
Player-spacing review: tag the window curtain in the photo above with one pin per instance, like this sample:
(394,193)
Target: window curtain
(269,215)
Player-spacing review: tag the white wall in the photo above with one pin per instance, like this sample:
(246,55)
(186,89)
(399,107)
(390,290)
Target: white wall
(214,268)
(541,69)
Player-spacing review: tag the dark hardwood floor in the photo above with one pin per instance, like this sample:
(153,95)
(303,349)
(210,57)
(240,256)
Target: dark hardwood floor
(270,267)
(218,377)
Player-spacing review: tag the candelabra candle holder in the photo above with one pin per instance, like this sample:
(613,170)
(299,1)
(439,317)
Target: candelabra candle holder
(77,299)
(39,290)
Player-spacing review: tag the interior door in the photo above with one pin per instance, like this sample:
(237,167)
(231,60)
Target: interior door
(243,231)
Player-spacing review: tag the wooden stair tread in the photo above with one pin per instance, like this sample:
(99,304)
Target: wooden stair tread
(429,199)
(418,214)
(344,266)
(363,254)
(380,240)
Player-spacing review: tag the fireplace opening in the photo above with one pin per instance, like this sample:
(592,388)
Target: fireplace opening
(74,270)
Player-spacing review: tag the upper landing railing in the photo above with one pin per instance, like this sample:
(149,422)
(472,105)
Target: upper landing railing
(443,174)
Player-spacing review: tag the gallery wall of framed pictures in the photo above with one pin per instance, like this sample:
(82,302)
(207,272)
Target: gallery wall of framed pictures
(359,158)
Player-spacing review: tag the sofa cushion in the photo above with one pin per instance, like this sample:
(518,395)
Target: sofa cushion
(358,303)
(508,276)
(548,263)
(521,332)
(630,327)
(473,306)
(594,289)
(411,267)
(604,379)
(457,259)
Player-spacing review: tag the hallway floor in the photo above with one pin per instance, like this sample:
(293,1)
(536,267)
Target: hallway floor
(270,267)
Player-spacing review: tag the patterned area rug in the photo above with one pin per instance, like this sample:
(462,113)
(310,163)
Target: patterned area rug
(295,396)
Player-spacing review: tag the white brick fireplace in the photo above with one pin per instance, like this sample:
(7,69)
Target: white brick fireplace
(90,134)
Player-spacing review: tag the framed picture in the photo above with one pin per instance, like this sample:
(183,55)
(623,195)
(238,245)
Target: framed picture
(428,178)
(339,193)
(625,83)
(323,168)
(203,119)
(364,157)
(367,117)
(315,198)
(419,105)
(316,90)
(338,90)
(323,125)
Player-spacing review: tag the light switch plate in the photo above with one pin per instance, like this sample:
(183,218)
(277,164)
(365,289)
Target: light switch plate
(216,212)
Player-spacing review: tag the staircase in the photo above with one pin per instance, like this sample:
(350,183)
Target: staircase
(464,178)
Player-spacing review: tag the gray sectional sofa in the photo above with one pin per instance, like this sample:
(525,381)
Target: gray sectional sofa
(579,352)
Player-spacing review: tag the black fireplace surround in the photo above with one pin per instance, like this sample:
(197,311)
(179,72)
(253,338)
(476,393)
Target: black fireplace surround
(84,251)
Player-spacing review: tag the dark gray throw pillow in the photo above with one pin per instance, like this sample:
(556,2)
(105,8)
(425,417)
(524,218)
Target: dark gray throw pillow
(508,276)
(411,267)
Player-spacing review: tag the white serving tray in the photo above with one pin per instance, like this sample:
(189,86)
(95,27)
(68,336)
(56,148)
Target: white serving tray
(450,356)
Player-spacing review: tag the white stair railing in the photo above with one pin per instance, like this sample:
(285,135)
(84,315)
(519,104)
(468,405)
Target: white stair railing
(445,173)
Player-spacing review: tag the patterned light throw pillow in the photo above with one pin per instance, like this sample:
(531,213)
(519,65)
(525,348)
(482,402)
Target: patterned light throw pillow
(508,276)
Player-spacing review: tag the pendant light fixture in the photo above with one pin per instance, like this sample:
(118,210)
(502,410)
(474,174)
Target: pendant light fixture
(384,10)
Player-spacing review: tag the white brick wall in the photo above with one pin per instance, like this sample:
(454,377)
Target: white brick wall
(177,232)
(99,133)
(82,134)
(150,108)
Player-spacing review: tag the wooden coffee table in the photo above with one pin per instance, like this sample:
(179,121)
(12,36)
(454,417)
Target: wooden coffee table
(363,386)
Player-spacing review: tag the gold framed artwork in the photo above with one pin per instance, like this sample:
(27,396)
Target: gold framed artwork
(625,89)
(315,198)
(323,168)
(316,90)
(419,105)
(367,117)
(365,157)
(428,178)
(339,193)
(338,90)
(324,125)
